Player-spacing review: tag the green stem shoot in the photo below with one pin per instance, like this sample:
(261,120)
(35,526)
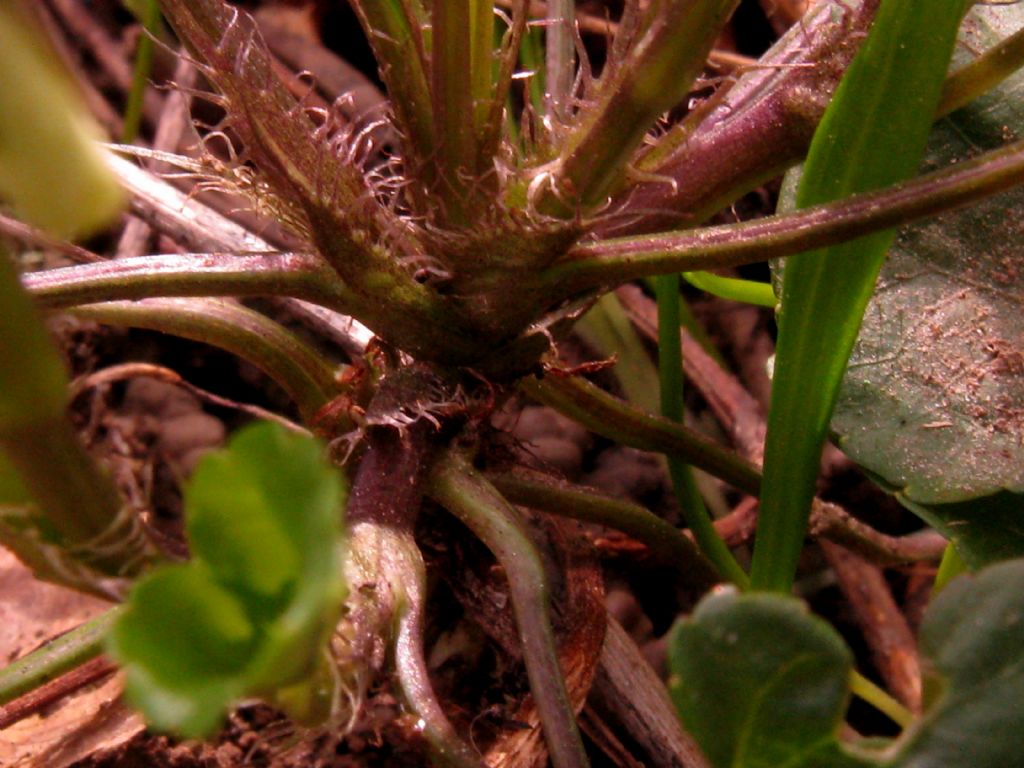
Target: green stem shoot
(60,655)
(150,19)
(464,492)
(733,289)
(670,375)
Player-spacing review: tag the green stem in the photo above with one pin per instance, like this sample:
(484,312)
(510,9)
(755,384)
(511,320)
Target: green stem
(610,417)
(464,492)
(502,104)
(863,688)
(532,55)
(426,326)
(653,77)
(667,545)
(733,289)
(615,261)
(670,375)
(452,81)
(951,566)
(60,655)
(300,276)
(983,73)
(77,498)
(483,91)
(410,664)
(395,30)
(305,374)
(150,19)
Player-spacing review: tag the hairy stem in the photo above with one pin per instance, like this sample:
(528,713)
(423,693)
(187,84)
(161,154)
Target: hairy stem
(463,491)
(653,77)
(199,228)
(394,30)
(761,127)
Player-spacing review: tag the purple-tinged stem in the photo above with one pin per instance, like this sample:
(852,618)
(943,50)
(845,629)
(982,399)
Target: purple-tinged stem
(301,276)
(612,262)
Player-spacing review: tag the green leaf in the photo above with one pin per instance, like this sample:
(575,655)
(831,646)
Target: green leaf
(933,400)
(50,166)
(759,681)
(972,648)
(252,611)
(184,642)
(872,135)
(12,491)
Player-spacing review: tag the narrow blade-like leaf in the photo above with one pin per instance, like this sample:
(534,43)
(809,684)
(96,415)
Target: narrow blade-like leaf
(872,135)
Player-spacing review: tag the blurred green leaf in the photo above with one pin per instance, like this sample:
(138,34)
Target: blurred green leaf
(972,650)
(50,166)
(185,641)
(251,613)
(12,491)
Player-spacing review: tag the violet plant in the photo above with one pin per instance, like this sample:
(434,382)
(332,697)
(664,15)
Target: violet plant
(467,255)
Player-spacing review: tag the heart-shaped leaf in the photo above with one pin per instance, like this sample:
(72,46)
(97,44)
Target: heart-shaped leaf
(251,613)
(933,398)
(759,681)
